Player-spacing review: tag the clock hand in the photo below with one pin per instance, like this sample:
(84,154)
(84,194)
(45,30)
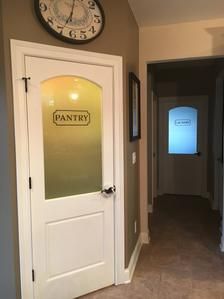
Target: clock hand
(71,15)
(72,12)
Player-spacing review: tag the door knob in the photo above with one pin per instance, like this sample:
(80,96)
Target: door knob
(108,191)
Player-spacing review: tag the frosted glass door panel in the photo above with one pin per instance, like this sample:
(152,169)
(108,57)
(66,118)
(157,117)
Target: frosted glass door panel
(183,130)
(71,109)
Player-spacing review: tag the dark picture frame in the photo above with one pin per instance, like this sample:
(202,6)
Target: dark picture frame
(134,107)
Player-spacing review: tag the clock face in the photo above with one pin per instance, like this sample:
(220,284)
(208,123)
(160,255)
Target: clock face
(75,21)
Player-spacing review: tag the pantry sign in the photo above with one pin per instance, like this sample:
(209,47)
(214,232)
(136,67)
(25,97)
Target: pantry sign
(80,118)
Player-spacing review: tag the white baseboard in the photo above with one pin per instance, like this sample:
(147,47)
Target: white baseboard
(212,202)
(215,206)
(210,199)
(145,239)
(222,244)
(150,208)
(129,272)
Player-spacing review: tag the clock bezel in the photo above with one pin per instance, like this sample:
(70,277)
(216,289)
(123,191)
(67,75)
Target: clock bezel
(62,37)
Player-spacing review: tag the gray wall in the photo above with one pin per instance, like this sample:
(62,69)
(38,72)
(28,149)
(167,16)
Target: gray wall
(7,256)
(120,37)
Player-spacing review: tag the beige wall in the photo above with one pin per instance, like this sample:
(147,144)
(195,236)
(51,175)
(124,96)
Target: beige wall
(21,23)
(171,42)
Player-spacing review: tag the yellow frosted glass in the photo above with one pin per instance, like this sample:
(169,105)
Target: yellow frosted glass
(71,108)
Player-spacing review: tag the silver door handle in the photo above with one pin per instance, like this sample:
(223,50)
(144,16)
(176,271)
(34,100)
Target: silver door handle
(108,191)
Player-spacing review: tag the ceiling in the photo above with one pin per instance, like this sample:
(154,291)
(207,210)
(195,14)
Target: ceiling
(163,12)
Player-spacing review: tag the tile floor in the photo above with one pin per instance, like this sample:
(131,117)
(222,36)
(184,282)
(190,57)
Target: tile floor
(183,260)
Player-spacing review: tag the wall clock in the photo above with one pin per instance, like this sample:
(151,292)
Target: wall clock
(73,21)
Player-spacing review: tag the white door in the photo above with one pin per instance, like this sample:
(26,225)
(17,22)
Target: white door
(70,124)
(183,145)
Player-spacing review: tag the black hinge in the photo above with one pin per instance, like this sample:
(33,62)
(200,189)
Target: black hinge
(33,275)
(25,79)
(30,183)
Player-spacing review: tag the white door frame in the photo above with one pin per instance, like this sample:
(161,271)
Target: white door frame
(19,50)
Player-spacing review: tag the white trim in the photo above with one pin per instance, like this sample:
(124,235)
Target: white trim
(222,245)
(145,238)
(150,208)
(134,259)
(20,49)
(210,198)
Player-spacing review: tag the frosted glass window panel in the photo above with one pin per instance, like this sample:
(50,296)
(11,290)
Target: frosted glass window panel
(183,130)
(71,108)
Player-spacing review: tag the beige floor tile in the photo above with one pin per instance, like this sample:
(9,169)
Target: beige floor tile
(183,260)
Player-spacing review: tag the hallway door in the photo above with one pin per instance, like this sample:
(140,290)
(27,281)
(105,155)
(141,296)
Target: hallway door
(70,124)
(183,145)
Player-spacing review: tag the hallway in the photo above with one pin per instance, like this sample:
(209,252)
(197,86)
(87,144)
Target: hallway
(183,260)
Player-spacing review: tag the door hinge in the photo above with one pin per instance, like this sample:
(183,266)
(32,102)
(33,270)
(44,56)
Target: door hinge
(25,79)
(33,275)
(30,183)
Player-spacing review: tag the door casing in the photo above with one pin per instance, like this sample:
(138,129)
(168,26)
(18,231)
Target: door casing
(19,50)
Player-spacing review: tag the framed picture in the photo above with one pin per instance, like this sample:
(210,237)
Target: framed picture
(134,107)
